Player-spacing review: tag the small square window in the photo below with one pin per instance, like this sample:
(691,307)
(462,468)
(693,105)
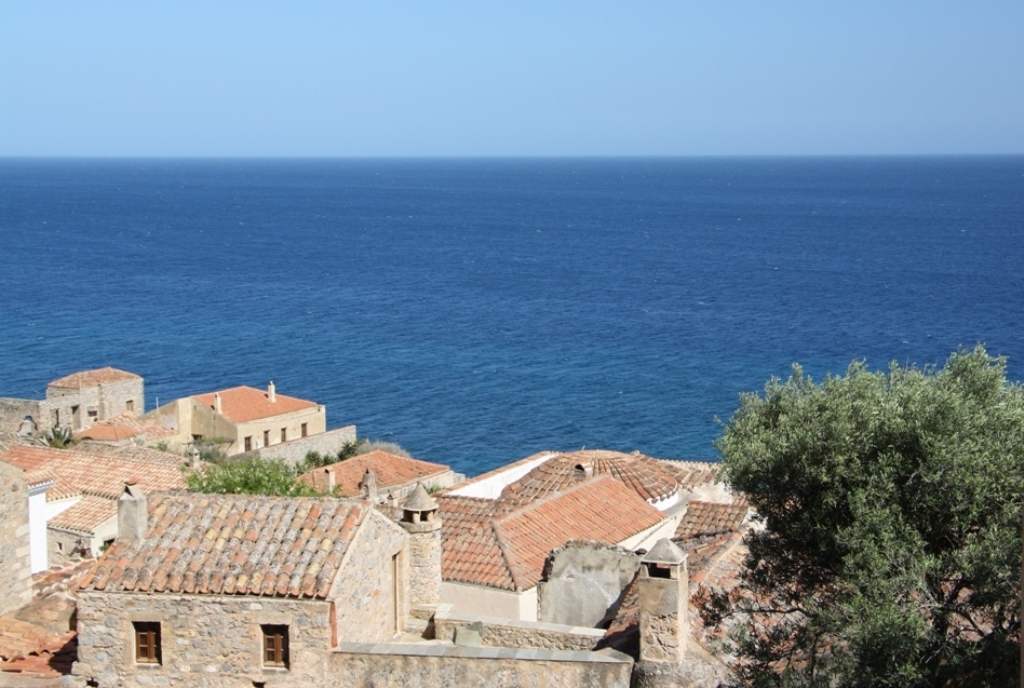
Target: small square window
(147,642)
(275,645)
(129,405)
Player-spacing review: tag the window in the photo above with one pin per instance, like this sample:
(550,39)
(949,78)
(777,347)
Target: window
(147,642)
(305,429)
(266,438)
(93,414)
(129,405)
(275,645)
(284,434)
(248,443)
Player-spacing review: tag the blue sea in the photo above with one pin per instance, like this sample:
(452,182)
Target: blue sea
(477,311)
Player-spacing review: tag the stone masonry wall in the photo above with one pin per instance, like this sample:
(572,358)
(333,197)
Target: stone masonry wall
(424,564)
(108,400)
(390,667)
(13,411)
(497,632)
(64,546)
(372,605)
(15,561)
(294,451)
(206,640)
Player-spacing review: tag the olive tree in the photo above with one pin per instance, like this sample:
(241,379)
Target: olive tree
(890,553)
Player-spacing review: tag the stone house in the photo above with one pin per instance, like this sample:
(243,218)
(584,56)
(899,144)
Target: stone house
(239,589)
(380,477)
(494,551)
(77,515)
(77,401)
(245,418)
(15,560)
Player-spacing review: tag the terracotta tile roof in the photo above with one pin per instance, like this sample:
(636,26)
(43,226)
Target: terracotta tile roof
(86,515)
(509,552)
(244,404)
(460,515)
(91,378)
(79,473)
(649,478)
(390,470)
(233,545)
(131,452)
(31,651)
(125,426)
(704,519)
(692,474)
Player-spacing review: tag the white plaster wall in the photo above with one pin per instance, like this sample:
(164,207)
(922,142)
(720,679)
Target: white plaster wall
(59,506)
(647,538)
(483,601)
(490,488)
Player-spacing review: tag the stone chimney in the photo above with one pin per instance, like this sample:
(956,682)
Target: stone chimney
(271,393)
(132,513)
(368,486)
(329,480)
(216,403)
(194,459)
(420,520)
(664,597)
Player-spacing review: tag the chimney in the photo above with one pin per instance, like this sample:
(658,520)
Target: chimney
(271,392)
(216,403)
(420,520)
(132,512)
(368,486)
(664,598)
(329,480)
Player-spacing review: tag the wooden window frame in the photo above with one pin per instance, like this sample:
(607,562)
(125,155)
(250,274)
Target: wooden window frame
(305,430)
(147,642)
(284,435)
(248,443)
(266,438)
(275,645)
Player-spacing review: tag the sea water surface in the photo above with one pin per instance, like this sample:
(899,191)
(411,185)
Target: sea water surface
(477,311)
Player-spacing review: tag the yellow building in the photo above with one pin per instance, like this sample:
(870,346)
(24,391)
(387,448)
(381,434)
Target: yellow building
(244,417)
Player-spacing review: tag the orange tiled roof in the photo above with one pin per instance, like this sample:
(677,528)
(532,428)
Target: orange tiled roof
(79,473)
(123,427)
(692,474)
(233,545)
(509,552)
(244,404)
(86,515)
(648,477)
(31,651)
(460,515)
(390,470)
(704,519)
(91,378)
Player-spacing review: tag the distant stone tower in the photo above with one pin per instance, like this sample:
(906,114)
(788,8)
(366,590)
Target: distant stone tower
(420,520)
(664,597)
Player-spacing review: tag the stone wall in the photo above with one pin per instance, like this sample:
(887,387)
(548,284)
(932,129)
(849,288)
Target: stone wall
(294,451)
(424,562)
(206,640)
(106,400)
(13,411)
(426,666)
(15,556)
(371,586)
(584,583)
(498,632)
(65,546)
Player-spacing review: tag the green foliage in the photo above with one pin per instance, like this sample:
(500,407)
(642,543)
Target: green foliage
(57,437)
(315,459)
(212,449)
(248,476)
(891,552)
(377,445)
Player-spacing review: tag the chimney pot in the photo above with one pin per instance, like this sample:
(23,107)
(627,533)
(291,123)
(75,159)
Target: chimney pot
(271,392)
(216,403)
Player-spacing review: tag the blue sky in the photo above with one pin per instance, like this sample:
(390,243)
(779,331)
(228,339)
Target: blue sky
(497,79)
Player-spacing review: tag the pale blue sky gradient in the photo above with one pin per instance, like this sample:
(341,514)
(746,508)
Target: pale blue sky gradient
(510,79)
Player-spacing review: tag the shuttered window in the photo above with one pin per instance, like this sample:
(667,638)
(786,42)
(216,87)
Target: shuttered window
(147,642)
(275,645)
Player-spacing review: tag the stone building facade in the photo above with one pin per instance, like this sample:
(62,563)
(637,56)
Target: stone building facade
(238,590)
(76,401)
(15,562)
